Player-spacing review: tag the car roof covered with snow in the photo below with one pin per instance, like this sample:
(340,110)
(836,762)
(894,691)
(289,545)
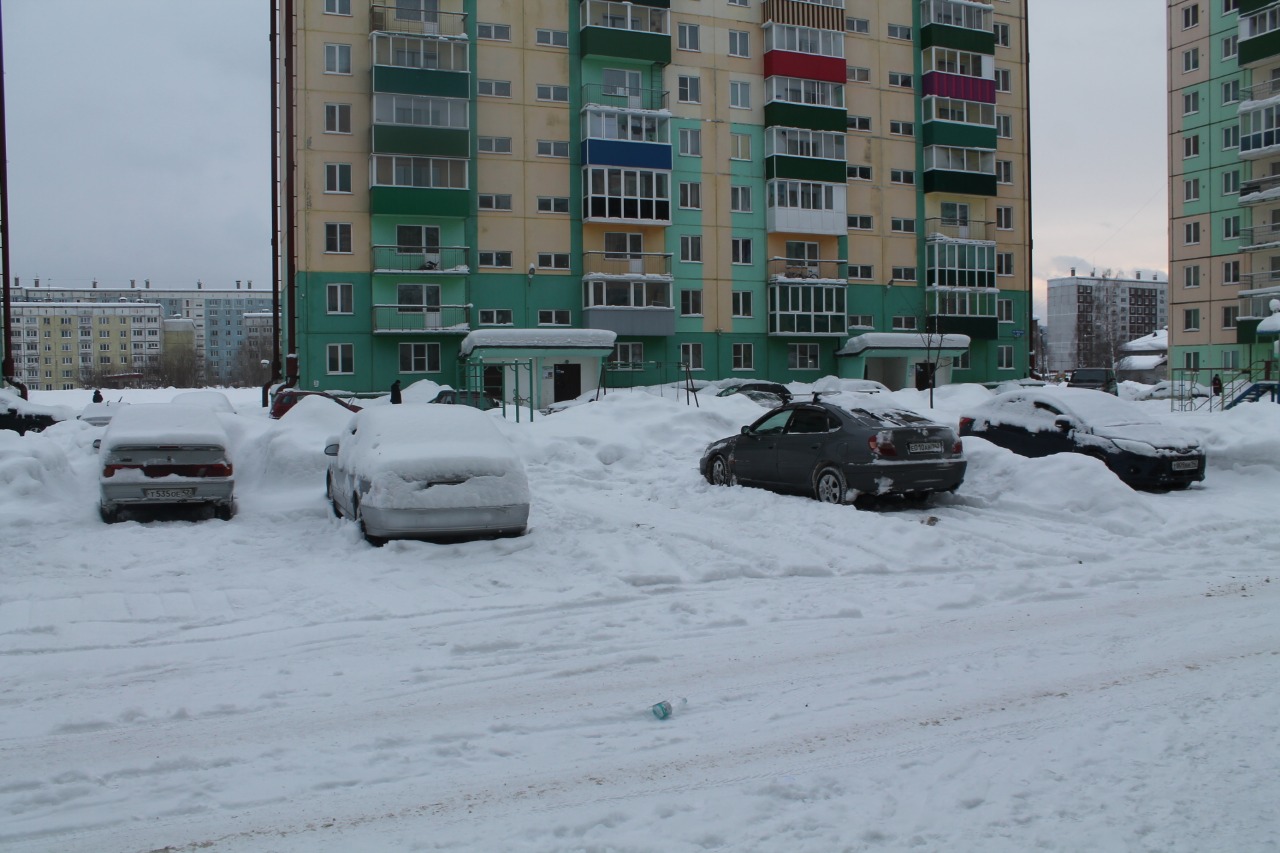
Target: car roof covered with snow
(421,439)
(152,424)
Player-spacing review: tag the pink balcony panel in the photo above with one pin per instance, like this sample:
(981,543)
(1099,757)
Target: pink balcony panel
(959,87)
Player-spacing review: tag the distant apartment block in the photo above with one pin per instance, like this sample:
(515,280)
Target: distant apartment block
(59,346)
(1092,317)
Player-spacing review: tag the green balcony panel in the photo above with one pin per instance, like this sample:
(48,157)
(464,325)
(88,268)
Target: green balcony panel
(1259,48)
(422,141)
(978,328)
(805,169)
(959,38)
(958,135)
(412,201)
(962,183)
(626,44)
(1247,331)
(1250,6)
(781,114)
(413,81)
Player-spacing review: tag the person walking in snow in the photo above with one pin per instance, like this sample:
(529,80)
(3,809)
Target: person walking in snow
(395,393)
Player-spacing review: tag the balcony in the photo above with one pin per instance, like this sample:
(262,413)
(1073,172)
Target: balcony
(626,265)
(1258,91)
(808,308)
(1255,186)
(418,22)
(633,306)
(624,97)
(968,311)
(421,319)
(1260,279)
(797,270)
(440,260)
(957,229)
(1260,237)
(625,31)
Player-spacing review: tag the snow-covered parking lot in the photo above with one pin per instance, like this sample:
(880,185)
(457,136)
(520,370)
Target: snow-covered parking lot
(1045,660)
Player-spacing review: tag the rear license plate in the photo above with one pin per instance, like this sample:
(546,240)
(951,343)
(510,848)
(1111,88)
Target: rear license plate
(925,447)
(168,494)
(1185,464)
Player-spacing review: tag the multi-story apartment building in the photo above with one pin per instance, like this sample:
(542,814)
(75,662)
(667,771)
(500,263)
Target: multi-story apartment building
(1224,180)
(1092,317)
(733,186)
(59,345)
(217,312)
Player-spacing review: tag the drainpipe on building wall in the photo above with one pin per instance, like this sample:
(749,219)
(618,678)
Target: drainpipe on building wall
(1033,337)
(275,204)
(6,367)
(290,195)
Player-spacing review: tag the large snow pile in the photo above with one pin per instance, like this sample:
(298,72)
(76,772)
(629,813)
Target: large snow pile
(1044,660)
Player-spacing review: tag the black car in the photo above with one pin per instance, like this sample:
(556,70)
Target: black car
(837,454)
(474,399)
(22,416)
(1096,378)
(766,393)
(1142,452)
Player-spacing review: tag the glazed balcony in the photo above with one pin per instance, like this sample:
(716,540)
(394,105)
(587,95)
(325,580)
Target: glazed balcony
(421,319)
(625,31)
(418,22)
(440,260)
(808,309)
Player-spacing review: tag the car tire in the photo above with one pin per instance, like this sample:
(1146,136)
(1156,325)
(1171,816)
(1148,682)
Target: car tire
(718,473)
(109,515)
(375,541)
(829,486)
(224,512)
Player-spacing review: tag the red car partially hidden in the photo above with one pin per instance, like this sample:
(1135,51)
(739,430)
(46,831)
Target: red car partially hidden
(286,398)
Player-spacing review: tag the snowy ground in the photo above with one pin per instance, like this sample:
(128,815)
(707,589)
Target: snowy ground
(1045,660)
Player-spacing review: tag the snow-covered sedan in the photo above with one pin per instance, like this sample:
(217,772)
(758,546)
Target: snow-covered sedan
(837,453)
(1141,451)
(427,471)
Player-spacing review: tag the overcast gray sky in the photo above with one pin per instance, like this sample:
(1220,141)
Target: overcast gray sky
(139,145)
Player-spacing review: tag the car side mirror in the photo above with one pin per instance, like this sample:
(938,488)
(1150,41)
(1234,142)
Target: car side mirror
(1064,425)
(746,430)
(97,444)
(331,450)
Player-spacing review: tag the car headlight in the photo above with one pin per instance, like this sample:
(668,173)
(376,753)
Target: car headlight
(1130,446)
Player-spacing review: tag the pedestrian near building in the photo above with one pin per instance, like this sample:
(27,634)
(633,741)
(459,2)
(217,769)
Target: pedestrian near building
(395,393)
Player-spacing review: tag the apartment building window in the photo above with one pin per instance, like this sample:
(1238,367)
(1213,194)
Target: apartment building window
(494,144)
(860,222)
(904,323)
(1001,32)
(337,7)
(902,225)
(551,38)
(689,89)
(1191,275)
(1004,218)
(1230,92)
(740,250)
(739,2)
(494,32)
(554,317)
(802,356)
(862,26)
(493,201)
(740,94)
(1004,358)
(862,272)
(744,357)
(1230,314)
(1004,171)
(861,321)
(553,260)
(1002,80)
(902,274)
(553,204)
(1191,320)
(1190,103)
(627,356)
(900,31)
(1190,146)
(691,303)
(902,176)
(902,128)
(1230,272)
(419,358)
(1004,310)
(339,298)
(691,248)
(691,142)
(337,59)
(1004,263)
(1231,137)
(494,258)
(740,199)
(550,92)
(691,195)
(688,37)
(1190,60)
(1229,6)
(739,146)
(1004,126)
(862,123)
(900,79)
(857,74)
(337,238)
(1191,189)
(337,118)
(691,355)
(857,173)
(553,148)
(1191,16)
(341,358)
(742,305)
(800,195)
(739,43)
(1191,360)
(1231,182)
(1231,46)
(494,88)
(337,177)
(1231,228)
(496,317)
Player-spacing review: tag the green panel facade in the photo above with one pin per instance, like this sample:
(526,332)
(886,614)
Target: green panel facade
(421,141)
(958,135)
(626,44)
(959,38)
(413,81)
(965,183)
(977,328)
(799,115)
(805,169)
(411,201)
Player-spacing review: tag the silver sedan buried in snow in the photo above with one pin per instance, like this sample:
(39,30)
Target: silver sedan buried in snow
(427,472)
(837,454)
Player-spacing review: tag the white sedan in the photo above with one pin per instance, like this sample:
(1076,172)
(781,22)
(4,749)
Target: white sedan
(423,471)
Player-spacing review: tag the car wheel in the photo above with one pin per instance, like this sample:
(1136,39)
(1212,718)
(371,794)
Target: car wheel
(829,486)
(375,541)
(916,498)
(110,515)
(223,512)
(718,471)
(332,496)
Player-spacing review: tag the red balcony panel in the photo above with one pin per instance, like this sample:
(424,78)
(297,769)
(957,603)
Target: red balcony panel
(960,87)
(783,63)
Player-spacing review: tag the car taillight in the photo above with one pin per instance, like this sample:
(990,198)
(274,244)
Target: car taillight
(220,470)
(966,423)
(881,444)
(957,448)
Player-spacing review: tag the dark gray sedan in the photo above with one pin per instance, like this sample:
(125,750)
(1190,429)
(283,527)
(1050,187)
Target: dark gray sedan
(837,454)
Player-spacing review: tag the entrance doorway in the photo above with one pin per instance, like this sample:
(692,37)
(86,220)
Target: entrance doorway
(568,382)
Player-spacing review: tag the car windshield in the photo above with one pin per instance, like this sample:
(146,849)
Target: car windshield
(1099,409)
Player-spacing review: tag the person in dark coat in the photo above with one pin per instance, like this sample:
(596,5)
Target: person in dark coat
(395,393)
(97,396)
(1217,385)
